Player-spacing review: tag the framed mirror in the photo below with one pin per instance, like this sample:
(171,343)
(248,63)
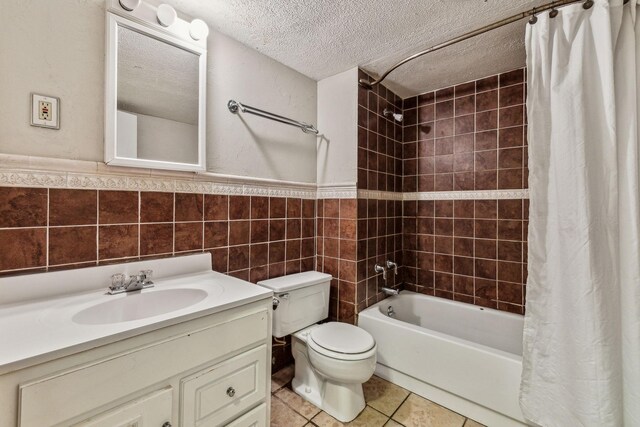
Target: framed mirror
(155,96)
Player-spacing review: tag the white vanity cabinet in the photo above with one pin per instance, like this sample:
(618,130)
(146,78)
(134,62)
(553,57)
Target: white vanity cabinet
(207,371)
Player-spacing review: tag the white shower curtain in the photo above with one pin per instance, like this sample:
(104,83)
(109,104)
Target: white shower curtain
(581,362)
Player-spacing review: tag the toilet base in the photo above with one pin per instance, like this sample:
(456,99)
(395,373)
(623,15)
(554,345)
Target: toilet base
(342,401)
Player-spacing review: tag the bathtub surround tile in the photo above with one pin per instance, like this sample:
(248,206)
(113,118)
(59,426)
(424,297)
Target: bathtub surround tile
(417,411)
(380,138)
(459,250)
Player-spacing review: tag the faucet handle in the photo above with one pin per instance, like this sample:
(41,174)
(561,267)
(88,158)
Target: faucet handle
(145,277)
(380,269)
(391,264)
(118,281)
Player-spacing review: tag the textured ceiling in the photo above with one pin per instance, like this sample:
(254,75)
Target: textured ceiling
(320,38)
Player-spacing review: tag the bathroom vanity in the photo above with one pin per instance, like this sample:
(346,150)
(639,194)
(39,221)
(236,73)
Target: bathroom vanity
(193,350)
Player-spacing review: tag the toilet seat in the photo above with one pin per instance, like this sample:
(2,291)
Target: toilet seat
(342,341)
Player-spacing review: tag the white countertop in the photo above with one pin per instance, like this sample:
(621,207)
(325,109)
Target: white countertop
(36,331)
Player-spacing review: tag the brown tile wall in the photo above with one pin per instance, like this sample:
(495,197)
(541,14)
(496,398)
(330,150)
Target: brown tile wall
(467,137)
(379,168)
(472,251)
(379,240)
(253,238)
(379,139)
(337,254)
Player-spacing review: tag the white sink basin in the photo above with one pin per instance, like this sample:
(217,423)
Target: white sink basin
(139,305)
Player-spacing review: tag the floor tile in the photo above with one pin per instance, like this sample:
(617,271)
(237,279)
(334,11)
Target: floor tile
(281,378)
(419,412)
(369,417)
(383,395)
(283,416)
(297,403)
(392,423)
(472,423)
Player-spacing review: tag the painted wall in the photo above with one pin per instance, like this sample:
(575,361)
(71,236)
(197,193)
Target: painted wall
(57,48)
(337,122)
(163,139)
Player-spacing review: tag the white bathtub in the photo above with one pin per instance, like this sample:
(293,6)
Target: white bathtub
(461,356)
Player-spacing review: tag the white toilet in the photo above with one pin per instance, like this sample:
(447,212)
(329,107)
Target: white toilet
(333,359)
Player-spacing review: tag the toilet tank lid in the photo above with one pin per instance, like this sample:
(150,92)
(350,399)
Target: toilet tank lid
(295,281)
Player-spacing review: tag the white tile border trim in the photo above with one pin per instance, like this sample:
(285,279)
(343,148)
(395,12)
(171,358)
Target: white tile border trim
(337,191)
(468,195)
(381,195)
(445,195)
(24,171)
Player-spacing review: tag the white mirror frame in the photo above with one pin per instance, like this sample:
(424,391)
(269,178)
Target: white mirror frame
(139,21)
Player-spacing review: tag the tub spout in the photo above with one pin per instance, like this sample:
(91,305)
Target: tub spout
(389,291)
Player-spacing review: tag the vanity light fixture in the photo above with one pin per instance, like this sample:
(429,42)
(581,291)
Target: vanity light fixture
(129,5)
(166,15)
(198,29)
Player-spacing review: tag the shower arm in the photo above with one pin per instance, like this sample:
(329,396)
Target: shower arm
(532,13)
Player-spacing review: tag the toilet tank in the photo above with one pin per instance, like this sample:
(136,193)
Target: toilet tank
(303,300)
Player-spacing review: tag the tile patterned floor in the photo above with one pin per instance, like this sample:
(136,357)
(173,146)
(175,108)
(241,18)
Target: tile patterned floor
(388,405)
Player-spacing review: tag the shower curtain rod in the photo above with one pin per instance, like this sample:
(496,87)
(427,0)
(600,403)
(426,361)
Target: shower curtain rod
(235,106)
(532,13)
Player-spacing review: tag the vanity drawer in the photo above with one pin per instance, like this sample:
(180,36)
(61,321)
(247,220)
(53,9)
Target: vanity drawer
(217,394)
(257,417)
(150,410)
(66,395)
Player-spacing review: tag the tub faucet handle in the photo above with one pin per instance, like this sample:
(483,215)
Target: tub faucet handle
(380,269)
(392,265)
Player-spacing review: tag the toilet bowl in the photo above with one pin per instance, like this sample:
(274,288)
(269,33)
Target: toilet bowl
(341,357)
(332,360)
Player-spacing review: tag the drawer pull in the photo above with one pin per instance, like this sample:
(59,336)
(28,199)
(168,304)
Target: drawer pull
(231,392)
(167,424)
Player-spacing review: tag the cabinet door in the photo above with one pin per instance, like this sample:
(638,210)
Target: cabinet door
(222,392)
(152,410)
(257,417)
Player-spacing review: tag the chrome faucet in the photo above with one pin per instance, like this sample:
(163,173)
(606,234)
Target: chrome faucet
(390,291)
(121,283)
(392,265)
(380,269)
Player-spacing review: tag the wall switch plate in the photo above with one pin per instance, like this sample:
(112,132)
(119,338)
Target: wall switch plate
(45,111)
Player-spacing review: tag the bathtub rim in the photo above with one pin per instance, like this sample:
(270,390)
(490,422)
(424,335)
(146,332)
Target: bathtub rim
(374,312)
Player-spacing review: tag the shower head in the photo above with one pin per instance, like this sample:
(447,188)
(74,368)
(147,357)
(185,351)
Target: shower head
(396,116)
